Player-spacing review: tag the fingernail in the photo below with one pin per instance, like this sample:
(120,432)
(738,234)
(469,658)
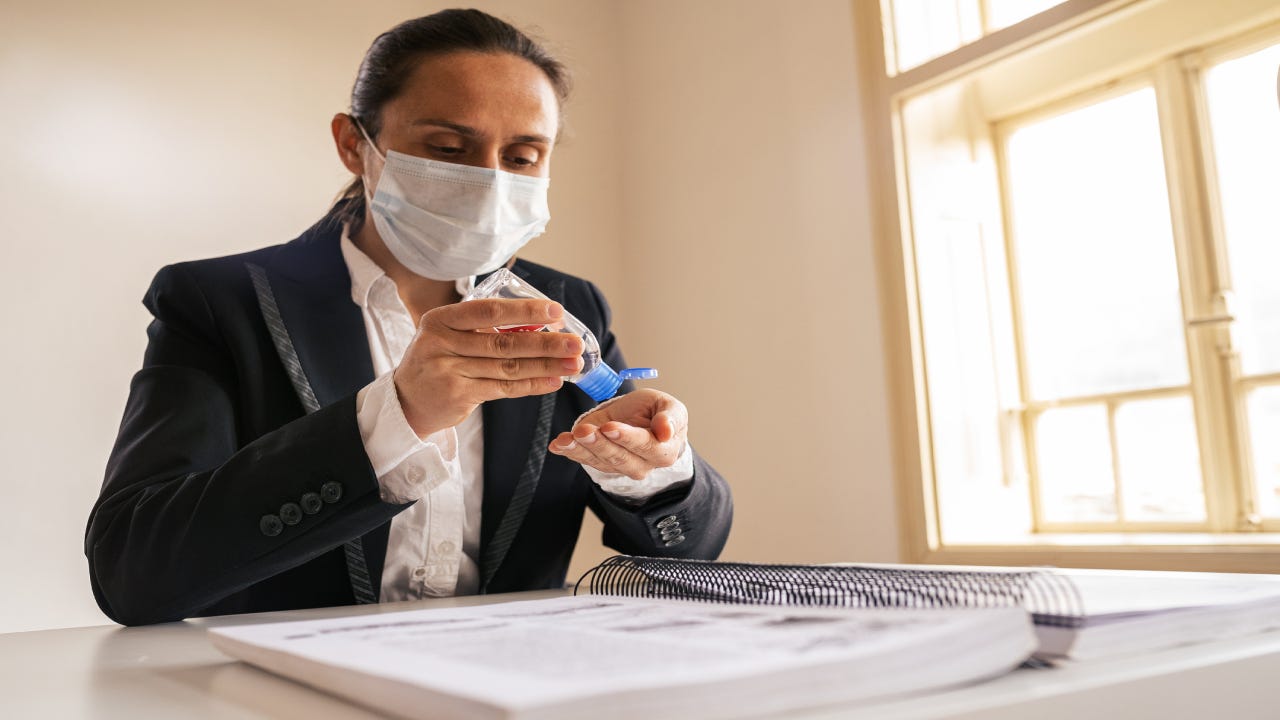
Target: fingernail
(589,439)
(612,434)
(570,364)
(555,311)
(570,446)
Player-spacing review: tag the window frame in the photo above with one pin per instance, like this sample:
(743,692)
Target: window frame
(1030,410)
(1194,64)
(1235,542)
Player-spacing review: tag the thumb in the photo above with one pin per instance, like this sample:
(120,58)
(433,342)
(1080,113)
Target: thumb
(665,427)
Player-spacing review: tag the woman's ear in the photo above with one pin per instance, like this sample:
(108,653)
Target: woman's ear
(347,139)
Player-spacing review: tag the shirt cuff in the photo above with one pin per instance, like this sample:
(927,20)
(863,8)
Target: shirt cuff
(656,481)
(407,466)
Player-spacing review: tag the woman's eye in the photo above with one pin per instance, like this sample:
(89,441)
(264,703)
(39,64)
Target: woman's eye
(522,160)
(446,149)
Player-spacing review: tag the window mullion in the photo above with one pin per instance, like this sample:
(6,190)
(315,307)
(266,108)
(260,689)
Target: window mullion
(1116,479)
(1028,418)
(984,17)
(1204,289)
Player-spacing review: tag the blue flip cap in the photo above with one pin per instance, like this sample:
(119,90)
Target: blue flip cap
(603,381)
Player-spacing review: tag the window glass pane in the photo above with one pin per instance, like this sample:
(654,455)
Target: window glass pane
(1245,119)
(1264,434)
(1159,461)
(1003,13)
(1073,457)
(980,498)
(969,358)
(1093,250)
(925,29)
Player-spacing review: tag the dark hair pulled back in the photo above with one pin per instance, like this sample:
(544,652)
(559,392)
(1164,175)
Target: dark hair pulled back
(395,53)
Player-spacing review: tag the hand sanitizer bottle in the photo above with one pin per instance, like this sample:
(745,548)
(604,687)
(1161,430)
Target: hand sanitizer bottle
(596,378)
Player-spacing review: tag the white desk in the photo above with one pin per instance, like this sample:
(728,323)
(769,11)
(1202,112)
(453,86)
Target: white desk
(171,671)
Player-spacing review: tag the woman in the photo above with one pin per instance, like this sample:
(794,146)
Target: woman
(323,422)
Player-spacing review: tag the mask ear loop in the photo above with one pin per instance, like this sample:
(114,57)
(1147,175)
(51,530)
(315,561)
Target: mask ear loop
(368,197)
(364,184)
(365,135)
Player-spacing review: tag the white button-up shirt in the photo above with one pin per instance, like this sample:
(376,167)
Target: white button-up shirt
(434,545)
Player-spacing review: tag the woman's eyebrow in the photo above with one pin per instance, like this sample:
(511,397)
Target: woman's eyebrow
(467,131)
(456,127)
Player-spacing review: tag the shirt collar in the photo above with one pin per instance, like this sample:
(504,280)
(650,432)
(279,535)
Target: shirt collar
(365,273)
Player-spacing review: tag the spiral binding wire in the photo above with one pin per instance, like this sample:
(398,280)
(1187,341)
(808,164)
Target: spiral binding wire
(1051,599)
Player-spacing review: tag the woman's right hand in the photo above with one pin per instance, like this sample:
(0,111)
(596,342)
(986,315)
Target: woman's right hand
(457,360)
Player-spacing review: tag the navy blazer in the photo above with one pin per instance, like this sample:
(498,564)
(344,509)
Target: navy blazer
(217,453)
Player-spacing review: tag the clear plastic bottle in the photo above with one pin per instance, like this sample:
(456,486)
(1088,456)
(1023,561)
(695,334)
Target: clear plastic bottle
(596,378)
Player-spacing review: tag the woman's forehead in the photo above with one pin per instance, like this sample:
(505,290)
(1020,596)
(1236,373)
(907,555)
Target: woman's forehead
(493,92)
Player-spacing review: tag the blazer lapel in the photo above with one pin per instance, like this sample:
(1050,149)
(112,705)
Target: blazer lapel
(516,433)
(312,290)
(508,434)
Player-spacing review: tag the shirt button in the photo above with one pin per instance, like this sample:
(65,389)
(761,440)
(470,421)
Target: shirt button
(331,492)
(416,474)
(270,525)
(419,573)
(311,503)
(445,547)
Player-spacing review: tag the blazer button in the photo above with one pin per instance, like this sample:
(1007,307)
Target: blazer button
(331,492)
(290,513)
(270,525)
(667,521)
(311,503)
(674,541)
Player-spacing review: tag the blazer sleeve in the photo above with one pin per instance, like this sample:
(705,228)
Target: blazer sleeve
(187,515)
(688,521)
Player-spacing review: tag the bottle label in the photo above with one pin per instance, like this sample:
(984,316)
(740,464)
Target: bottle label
(521,328)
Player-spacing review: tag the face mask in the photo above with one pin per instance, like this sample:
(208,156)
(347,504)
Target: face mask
(445,221)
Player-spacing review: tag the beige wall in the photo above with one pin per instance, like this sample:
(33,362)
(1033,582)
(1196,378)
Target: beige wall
(750,267)
(713,183)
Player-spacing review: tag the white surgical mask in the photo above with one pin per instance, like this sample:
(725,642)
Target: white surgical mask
(446,221)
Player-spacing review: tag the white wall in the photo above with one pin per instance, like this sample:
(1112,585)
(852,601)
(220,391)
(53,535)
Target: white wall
(141,132)
(712,183)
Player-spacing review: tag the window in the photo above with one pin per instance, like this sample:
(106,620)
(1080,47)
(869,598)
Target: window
(1106,386)
(1083,272)
(918,31)
(1245,140)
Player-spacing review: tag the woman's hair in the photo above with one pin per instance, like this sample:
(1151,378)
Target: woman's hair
(395,53)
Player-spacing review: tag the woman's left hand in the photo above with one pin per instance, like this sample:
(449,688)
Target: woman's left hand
(632,435)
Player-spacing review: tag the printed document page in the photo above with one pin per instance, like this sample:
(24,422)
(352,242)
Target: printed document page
(1118,593)
(543,653)
(1130,611)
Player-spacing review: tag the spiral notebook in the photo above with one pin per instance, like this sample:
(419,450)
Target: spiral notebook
(1080,614)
